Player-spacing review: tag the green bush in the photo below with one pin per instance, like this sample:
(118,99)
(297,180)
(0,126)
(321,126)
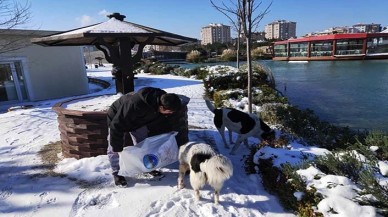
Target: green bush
(378,138)
(156,68)
(306,127)
(199,73)
(283,183)
(371,186)
(348,164)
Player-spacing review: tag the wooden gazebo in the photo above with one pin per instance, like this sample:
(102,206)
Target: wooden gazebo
(116,38)
(83,133)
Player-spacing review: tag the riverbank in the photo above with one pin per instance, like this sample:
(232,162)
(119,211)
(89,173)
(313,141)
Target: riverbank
(347,93)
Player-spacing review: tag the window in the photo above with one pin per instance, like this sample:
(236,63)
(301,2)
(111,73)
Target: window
(280,50)
(12,84)
(377,45)
(299,49)
(349,47)
(321,48)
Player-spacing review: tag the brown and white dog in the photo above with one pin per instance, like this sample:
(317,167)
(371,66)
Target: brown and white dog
(245,125)
(205,165)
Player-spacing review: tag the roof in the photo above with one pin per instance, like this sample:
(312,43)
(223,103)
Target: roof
(110,31)
(333,37)
(26,32)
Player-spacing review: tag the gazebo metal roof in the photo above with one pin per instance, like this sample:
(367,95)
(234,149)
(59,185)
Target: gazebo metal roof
(110,31)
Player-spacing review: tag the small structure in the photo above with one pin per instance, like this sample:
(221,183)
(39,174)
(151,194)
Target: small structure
(116,38)
(31,73)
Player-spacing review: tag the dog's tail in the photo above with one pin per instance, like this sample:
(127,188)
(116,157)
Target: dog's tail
(218,169)
(209,105)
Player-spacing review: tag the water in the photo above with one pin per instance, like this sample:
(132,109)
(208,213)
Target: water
(345,93)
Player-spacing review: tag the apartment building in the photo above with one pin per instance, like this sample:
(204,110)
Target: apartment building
(368,28)
(215,33)
(280,29)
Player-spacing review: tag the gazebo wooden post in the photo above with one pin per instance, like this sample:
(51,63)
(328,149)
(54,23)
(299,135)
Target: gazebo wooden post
(127,62)
(126,65)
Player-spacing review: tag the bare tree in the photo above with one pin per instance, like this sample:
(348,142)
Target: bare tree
(232,13)
(249,18)
(12,15)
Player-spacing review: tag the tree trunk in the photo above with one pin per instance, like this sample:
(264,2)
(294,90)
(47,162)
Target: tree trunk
(238,49)
(249,64)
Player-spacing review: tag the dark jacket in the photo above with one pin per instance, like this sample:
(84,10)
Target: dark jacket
(132,111)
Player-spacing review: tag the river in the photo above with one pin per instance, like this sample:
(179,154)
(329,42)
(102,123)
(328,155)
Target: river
(345,93)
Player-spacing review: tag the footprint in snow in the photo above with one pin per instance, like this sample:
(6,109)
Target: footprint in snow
(5,192)
(93,199)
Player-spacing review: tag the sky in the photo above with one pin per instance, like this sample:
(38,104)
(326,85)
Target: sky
(27,190)
(187,17)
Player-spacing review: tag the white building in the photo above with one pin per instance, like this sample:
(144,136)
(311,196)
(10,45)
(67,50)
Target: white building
(215,33)
(34,72)
(280,29)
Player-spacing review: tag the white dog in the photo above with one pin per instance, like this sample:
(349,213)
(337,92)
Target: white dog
(205,167)
(245,125)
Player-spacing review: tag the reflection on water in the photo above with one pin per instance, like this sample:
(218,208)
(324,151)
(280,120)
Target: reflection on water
(347,93)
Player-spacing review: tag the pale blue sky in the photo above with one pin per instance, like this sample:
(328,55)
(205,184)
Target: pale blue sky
(186,17)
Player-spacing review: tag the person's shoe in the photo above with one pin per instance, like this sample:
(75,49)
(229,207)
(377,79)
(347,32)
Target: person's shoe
(156,173)
(151,176)
(119,180)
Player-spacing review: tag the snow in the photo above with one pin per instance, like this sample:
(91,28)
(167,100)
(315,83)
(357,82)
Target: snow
(111,26)
(383,166)
(86,186)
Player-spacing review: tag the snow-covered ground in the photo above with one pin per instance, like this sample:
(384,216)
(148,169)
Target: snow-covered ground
(87,187)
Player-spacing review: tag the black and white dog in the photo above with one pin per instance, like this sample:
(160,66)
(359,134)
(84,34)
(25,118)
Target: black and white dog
(245,125)
(205,165)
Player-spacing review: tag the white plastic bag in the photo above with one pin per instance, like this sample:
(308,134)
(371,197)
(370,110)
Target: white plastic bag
(150,154)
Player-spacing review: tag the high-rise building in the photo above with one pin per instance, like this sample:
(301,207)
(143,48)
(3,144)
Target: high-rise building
(215,33)
(280,29)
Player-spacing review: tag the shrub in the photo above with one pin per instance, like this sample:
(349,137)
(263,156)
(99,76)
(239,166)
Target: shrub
(284,182)
(378,138)
(306,127)
(160,68)
(229,55)
(347,164)
(257,53)
(267,95)
(263,73)
(194,57)
(371,186)
(262,80)
(362,173)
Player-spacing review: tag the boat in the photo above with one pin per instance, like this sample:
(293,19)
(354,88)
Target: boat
(348,46)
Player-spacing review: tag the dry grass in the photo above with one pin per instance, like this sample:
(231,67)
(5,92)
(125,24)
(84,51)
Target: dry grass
(49,156)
